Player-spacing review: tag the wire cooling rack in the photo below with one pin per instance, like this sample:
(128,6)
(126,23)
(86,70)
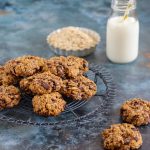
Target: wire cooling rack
(75,111)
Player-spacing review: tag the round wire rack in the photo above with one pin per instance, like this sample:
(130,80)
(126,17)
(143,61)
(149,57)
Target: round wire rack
(75,111)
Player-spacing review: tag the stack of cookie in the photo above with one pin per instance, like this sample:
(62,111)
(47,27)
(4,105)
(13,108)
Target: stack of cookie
(48,80)
(125,136)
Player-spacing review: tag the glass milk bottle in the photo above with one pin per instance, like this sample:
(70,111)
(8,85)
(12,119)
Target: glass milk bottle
(122,32)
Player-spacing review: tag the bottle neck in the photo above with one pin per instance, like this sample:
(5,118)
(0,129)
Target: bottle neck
(119,7)
(132,13)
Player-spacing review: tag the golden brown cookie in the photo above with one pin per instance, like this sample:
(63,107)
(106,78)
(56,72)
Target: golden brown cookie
(42,83)
(66,67)
(136,111)
(79,88)
(48,104)
(83,64)
(7,79)
(25,66)
(122,137)
(9,96)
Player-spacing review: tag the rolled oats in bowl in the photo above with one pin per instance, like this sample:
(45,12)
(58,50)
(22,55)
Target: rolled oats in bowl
(75,41)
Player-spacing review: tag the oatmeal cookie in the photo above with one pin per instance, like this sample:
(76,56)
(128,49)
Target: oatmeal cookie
(42,83)
(122,137)
(9,96)
(48,104)
(7,79)
(82,63)
(79,88)
(136,111)
(66,67)
(25,66)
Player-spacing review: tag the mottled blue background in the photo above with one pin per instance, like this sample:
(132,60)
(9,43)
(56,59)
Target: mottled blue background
(24,25)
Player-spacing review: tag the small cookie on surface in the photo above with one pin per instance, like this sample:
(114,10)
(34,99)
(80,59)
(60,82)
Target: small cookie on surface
(48,104)
(136,111)
(7,79)
(42,83)
(79,88)
(9,96)
(122,137)
(66,67)
(25,66)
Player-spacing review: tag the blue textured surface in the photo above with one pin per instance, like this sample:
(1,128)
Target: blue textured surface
(24,25)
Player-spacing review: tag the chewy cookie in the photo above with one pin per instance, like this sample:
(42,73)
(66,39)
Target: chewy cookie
(122,137)
(48,104)
(6,79)
(79,88)
(9,96)
(136,111)
(66,67)
(41,83)
(25,66)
